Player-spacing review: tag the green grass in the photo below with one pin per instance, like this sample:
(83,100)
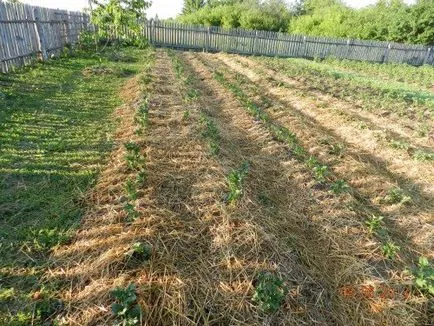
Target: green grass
(55,129)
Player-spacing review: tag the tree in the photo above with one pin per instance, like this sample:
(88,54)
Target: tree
(118,18)
(191,6)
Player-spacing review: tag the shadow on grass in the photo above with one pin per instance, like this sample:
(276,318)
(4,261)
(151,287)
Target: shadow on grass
(55,129)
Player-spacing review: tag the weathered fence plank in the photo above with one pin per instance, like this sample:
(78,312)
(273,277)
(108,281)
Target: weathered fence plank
(28,32)
(266,43)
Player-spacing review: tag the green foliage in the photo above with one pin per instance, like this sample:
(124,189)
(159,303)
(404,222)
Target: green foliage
(421,155)
(56,129)
(374,223)
(140,251)
(132,213)
(134,158)
(131,189)
(337,149)
(211,133)
(321,173)
(424,276)
(272,15)
(235,182)
(118,18)
(191,6)
(339,186)
(390,249)
(126,309)
(270,292)
(385,21)
(397,196)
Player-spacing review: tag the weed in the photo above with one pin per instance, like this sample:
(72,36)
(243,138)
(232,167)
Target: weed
(363,125)
(235,182)
(374,223)
(321,172)
(270,292)
(424,275)
(390,249)
(397,196)
(126,309)
(339,186)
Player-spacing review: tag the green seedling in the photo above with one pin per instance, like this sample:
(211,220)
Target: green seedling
(140,251)
(337,149)
(298,151)
(424,276)
(186,115)
(191,95)
(397,144)
(133,157)
(45,239)
(131,189)
(321,172)
(270,292)
(421,155)
(311,162)
(397,196)
(211,133)
(339,186)
(390,249)
(374,223)
(142,114)
(126,309)
(235,182)
(132,213)
(141,178)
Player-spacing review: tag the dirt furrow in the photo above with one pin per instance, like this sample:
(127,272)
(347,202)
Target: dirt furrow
(318,227)
(386,125)
(371,173)
(177,209)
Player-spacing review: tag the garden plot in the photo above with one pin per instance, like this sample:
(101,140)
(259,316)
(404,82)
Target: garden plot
(237,195)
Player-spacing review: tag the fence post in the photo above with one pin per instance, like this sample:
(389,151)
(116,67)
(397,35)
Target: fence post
(304,46)
(67,29)
(386,53)
(149,27)
(428,52)
(208,39)
(253,49)
(348,48)
(42,45)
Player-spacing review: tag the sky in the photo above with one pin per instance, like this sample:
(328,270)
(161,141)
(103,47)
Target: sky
(162,8)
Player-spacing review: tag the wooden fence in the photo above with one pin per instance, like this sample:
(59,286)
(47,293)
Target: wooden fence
(28,32)
(250,42)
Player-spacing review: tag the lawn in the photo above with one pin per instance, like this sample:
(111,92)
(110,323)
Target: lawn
(56,129)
